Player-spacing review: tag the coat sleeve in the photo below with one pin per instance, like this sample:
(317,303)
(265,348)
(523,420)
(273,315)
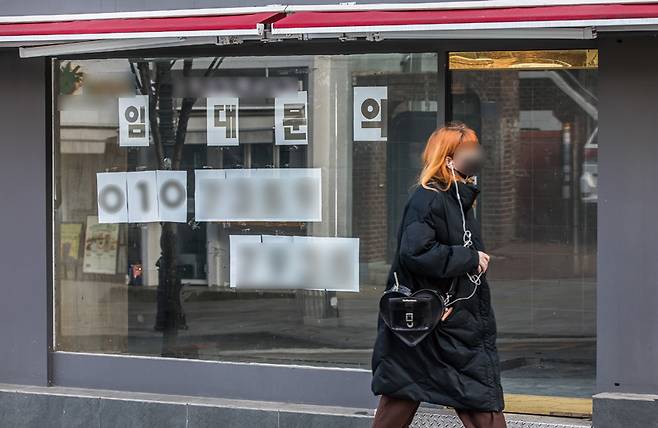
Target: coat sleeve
(421,254)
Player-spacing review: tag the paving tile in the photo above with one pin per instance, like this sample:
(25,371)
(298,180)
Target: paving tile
(27,410)
(306,420)
(225,417)
(628,411)
(141,414)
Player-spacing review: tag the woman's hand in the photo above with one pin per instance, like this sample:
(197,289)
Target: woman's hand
(484,261)
(446,313)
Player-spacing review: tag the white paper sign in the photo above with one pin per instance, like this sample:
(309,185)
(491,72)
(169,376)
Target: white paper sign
(238,249)
(222,121)
(298,262)
(370,113)
(332,262)
(112,199)
(142,196)
(134,121)
(210,194)
(264,194)
(172,196)
(291,119)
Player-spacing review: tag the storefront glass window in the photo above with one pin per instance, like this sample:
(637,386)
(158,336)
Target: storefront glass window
(537,115)
(190,193)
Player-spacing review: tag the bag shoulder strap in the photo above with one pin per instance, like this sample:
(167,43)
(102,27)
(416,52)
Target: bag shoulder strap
(453,284)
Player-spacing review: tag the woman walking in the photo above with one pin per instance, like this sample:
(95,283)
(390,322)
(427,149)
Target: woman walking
(457,364)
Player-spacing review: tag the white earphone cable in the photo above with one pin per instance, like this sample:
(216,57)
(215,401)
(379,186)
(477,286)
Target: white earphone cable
(475,279)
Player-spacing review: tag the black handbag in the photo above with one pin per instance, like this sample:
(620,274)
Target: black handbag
(413,316)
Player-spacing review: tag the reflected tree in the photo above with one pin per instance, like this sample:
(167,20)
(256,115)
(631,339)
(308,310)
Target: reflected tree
(168,124)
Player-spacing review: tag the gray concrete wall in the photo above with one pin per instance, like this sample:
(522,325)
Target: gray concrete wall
(627,291)
(627,272)
(627,337)
(23,222)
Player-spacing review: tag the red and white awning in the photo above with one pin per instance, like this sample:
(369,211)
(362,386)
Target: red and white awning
(569,20)
(481,19)
(98,27)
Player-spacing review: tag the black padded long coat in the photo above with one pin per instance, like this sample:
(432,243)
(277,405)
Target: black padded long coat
(456,365)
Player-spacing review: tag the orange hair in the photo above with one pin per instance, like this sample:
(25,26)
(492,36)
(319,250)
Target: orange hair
(442,143)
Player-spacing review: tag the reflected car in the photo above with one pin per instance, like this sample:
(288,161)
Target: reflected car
(590,171)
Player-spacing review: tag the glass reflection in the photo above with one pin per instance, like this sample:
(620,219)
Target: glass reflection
(538,212)
(165,288)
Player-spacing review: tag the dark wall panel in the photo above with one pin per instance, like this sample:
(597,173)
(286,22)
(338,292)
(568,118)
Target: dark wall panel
(245,381)
(23,242)
(627,289)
